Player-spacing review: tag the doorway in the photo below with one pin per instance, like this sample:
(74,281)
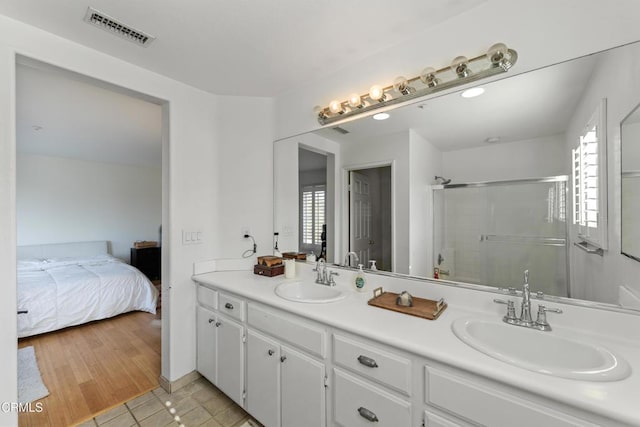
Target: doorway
(370,217)
(46,164)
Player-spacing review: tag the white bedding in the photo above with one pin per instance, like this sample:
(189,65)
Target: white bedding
(61,292)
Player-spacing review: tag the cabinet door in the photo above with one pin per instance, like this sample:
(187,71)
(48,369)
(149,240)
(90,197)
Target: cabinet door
(263,378)
(206,344)
(302,389)
(230,368)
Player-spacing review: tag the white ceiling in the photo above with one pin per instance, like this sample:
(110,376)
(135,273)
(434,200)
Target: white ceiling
(64,115)
(241,47)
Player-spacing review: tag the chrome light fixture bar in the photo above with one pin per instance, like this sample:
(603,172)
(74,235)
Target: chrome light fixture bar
(498,59)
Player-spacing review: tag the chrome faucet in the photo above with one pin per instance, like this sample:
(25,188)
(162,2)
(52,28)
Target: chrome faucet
(525,309)
(347,262)
(321,270)
(323,276)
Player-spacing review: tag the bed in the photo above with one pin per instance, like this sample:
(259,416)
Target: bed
(67,284)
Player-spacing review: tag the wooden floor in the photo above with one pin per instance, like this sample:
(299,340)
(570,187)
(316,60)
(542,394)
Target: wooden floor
(91,368)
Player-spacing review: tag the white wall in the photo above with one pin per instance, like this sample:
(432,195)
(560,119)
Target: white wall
(244,170)
(425,162)
(68,200)
(534,158)
(616,79)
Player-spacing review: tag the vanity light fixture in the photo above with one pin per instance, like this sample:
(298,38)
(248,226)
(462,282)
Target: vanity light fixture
(496,60)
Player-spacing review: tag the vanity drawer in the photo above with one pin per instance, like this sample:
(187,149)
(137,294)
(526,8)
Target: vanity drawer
(488,406)
(207,297)
(231,306)
(360,404)
(294,330)
(389,369)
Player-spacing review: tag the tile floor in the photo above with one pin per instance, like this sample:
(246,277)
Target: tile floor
(197,404)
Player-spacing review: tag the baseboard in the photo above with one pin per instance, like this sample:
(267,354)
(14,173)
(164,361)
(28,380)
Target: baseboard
(171,386)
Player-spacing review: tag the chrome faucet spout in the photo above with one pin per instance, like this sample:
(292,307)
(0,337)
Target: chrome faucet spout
(525,311)
(347,260)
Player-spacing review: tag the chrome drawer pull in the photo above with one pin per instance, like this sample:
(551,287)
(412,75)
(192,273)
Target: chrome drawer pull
(229,306)
(283,358)
(211,320)
(218,324)
(367,361)
(270,352)
(367,415)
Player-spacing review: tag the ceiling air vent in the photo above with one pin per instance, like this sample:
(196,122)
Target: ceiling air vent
(340,130)
(107,23)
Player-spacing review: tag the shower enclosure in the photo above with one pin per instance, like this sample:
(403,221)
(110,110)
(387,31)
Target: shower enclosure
(490,232)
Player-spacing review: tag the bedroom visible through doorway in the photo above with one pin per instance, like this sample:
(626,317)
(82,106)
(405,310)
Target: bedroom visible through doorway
(89,185)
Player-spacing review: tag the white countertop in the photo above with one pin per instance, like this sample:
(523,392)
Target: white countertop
(435,340)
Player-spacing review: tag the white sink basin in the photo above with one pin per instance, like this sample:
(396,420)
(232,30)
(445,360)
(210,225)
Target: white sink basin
(543,352)
(308,292)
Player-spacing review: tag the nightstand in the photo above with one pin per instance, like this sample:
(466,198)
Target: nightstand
(147,260)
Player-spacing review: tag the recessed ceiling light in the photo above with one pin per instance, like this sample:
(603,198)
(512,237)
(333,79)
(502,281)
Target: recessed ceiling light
(381,116)
(473,92)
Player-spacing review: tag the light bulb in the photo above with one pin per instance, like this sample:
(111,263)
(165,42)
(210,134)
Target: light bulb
(376,93)
(336,107)
(428,77)
(497,53)
(381,116)
(460,66)
(401,84)
(355,101)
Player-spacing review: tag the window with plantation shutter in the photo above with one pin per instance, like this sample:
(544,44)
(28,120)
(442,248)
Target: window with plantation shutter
(313,210)
(588,181)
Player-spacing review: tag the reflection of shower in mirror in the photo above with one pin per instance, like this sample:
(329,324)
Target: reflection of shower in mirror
(442,180)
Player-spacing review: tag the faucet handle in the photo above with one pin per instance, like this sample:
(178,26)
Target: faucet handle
(332,282)
(510,317)
(541,321)
(526,277)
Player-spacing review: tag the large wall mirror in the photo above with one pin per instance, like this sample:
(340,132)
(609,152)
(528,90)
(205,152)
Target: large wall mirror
(468,189)
(630,179)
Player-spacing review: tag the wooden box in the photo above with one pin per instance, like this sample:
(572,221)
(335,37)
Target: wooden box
(294,255)
(263,270)
(269,260)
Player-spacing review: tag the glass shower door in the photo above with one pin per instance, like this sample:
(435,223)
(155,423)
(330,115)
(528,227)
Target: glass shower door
(526,230)
(490,233)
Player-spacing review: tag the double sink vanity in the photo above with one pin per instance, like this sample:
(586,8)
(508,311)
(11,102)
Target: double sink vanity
(295,353)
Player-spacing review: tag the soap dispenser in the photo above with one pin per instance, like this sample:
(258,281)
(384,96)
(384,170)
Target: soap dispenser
(359,281)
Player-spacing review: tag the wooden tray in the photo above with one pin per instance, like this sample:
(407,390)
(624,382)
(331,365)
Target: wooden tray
(425,308)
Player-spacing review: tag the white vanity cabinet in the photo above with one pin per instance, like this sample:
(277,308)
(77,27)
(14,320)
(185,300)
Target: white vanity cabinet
(484,403)
(220,348)
(293,370)
(365,395)
(284,386)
